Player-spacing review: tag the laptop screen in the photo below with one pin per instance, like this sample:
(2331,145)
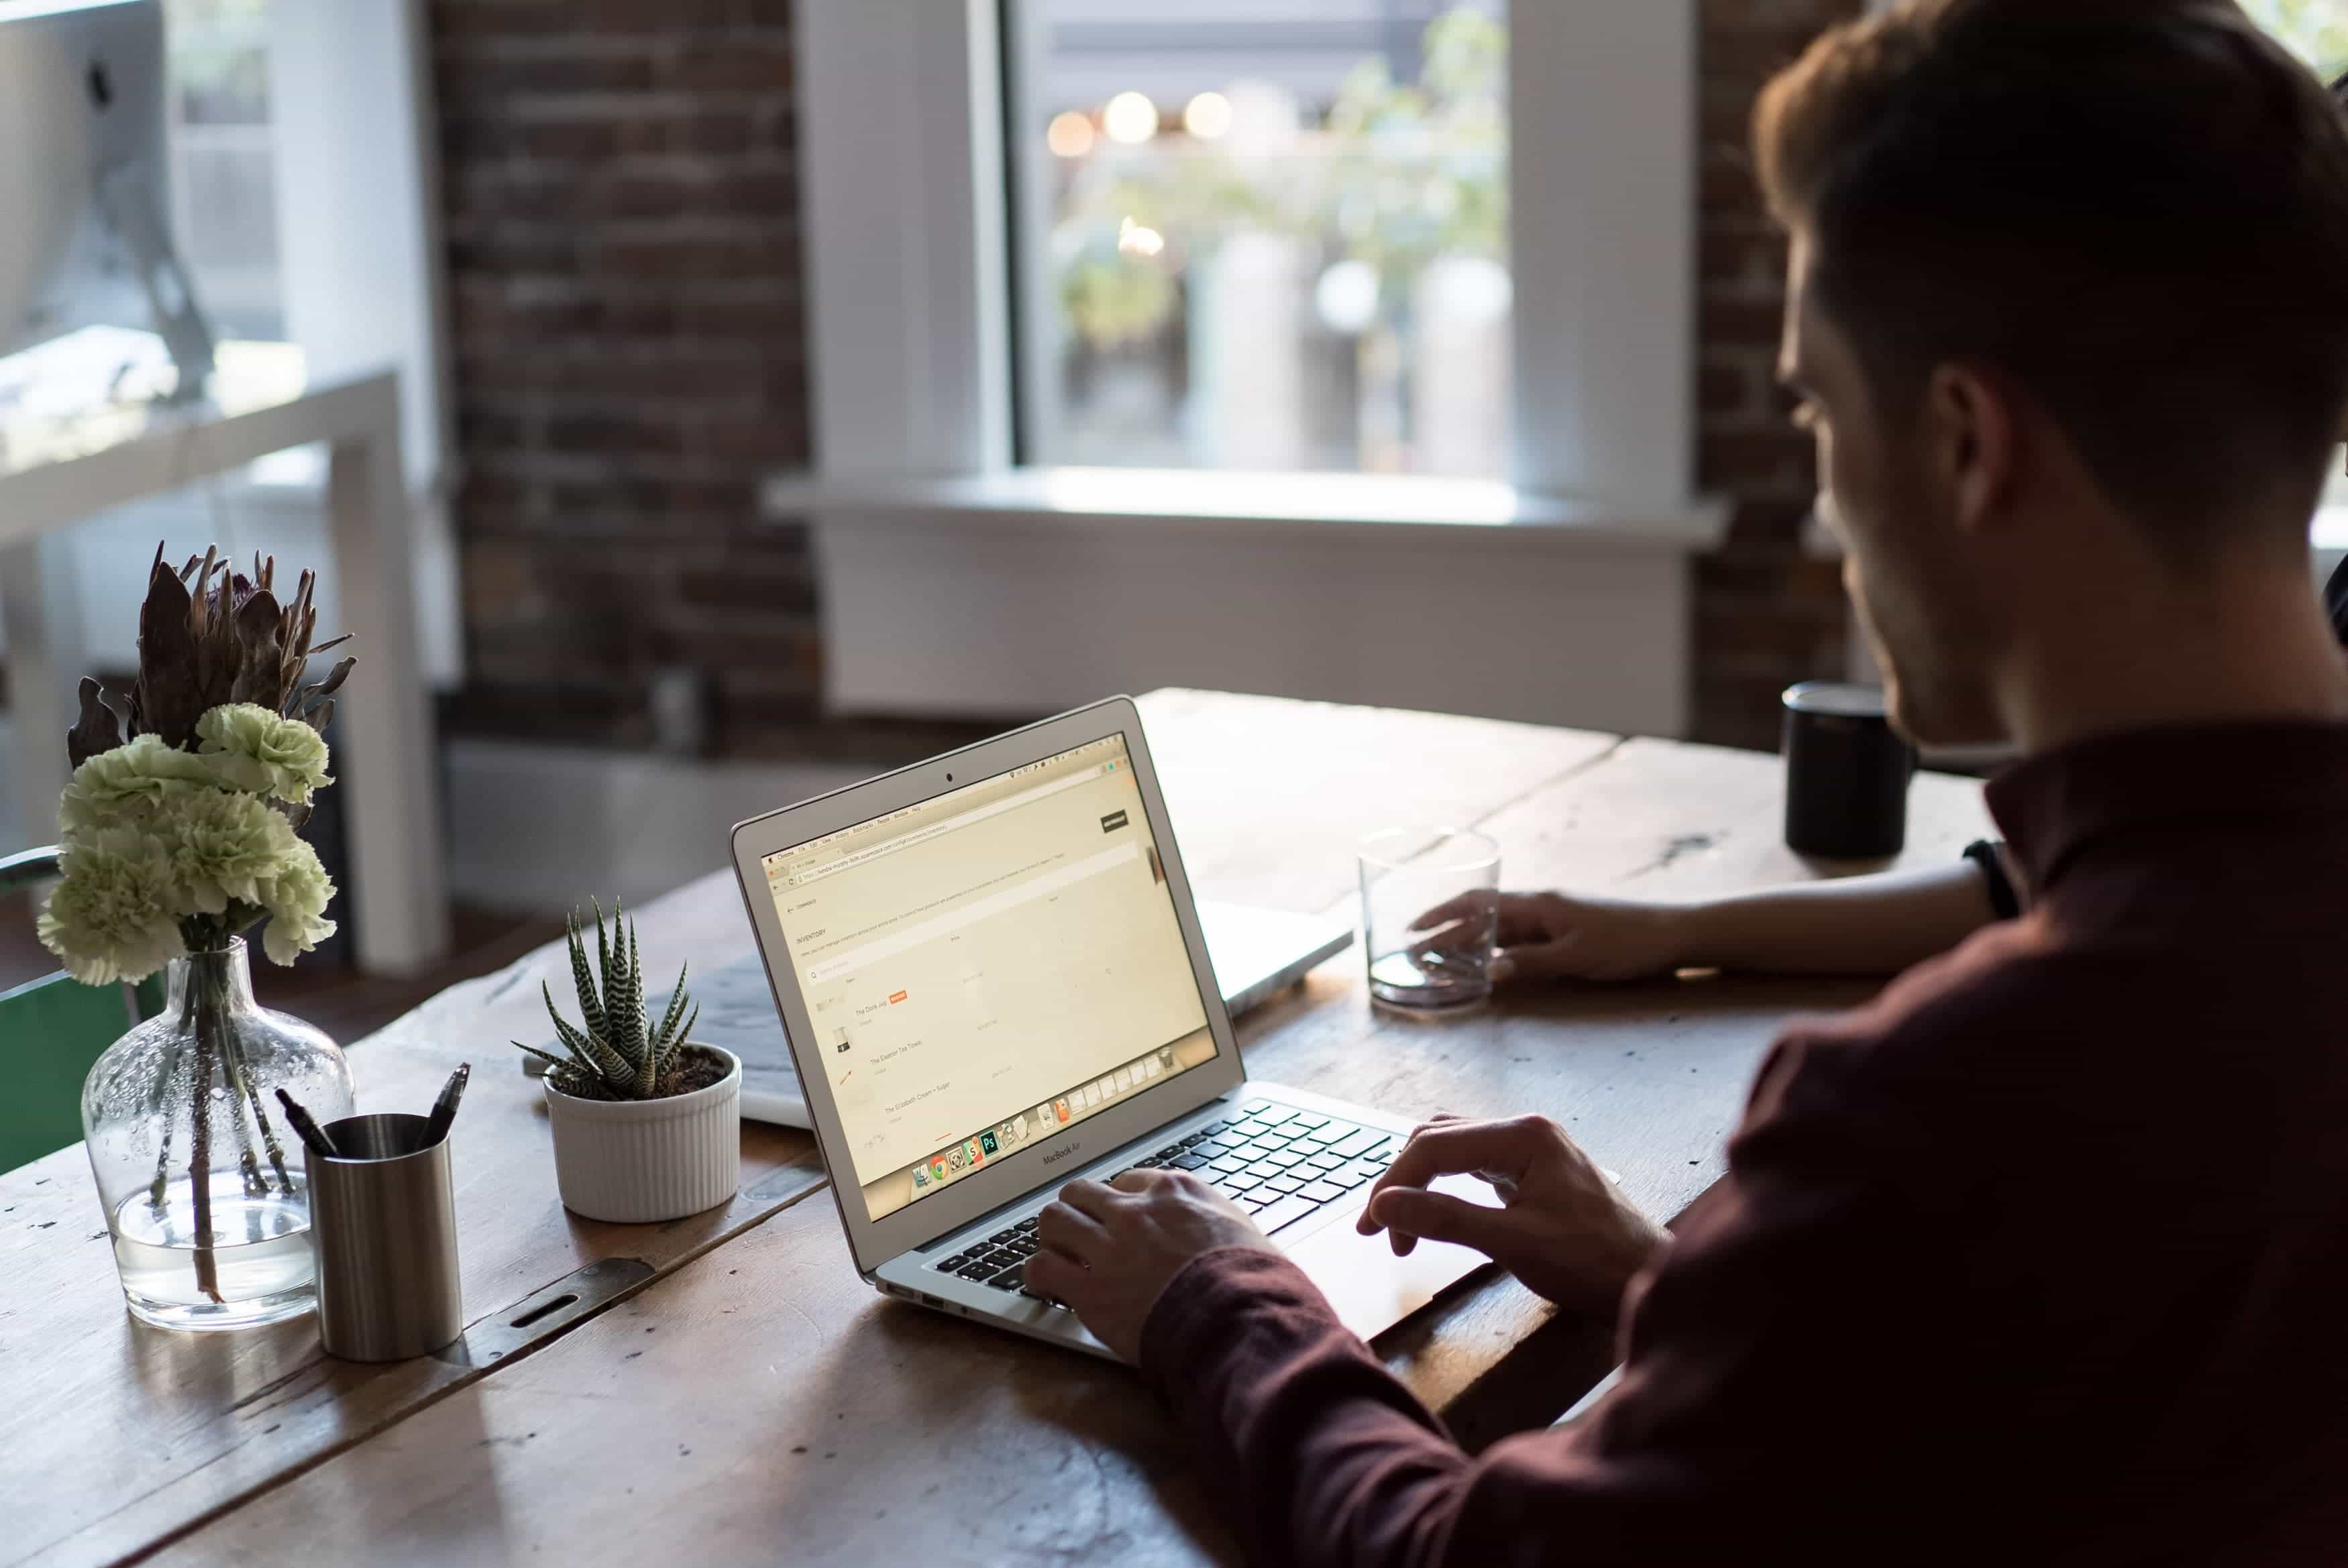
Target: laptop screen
(988,965)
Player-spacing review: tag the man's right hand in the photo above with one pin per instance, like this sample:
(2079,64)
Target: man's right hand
(1561,1227)
(1551,936)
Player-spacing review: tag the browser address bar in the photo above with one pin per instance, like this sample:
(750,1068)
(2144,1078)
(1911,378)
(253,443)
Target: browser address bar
(855,859)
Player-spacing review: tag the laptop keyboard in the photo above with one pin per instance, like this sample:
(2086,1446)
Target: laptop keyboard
(1277,1162)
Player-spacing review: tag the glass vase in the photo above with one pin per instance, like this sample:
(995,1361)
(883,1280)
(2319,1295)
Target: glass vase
(201,1179)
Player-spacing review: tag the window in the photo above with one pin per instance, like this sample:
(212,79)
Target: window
(1262,236)
(970,569)
(223,171)
(2317,32)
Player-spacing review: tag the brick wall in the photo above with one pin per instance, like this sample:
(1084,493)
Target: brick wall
(623,266)
(621,194)
(1767,614)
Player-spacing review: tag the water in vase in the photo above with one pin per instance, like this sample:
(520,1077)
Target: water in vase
(262,1265)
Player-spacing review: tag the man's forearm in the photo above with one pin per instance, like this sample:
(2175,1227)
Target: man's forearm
(1875,925)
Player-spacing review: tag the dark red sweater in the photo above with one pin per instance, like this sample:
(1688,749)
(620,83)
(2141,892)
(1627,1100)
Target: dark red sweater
(2041,1257)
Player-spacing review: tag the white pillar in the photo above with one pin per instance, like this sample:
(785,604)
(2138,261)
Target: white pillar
(40,610)
(1247,354)
(387,762)
(1602,104)
(358,199)
(1460,369)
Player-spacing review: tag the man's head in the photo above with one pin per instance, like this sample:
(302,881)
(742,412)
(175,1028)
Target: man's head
(2070,287)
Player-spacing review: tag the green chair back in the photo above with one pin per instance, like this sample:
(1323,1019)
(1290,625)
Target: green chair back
(51,1030)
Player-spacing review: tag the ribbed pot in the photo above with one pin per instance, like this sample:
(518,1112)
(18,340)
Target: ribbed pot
(636,1160)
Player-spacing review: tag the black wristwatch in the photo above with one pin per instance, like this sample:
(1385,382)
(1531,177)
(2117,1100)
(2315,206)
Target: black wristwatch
(1985,854)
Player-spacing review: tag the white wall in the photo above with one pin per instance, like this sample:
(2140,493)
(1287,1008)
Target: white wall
(540,828)
(924,617)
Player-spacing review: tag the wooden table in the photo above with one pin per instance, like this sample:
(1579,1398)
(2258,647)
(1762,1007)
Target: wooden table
(736,1391)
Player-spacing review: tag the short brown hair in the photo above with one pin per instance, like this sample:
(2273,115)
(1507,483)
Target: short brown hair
(2137,208)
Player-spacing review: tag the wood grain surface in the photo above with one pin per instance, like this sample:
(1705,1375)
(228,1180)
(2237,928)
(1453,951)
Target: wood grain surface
(762,1403)
(1269,797)
(114,1434)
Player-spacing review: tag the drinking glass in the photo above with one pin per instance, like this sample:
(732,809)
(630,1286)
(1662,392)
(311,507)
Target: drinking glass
(1429,916)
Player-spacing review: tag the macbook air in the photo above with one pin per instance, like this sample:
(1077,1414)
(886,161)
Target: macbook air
(993,980)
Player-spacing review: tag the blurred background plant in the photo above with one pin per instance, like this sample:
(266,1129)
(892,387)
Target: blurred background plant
(2315,30)
(1255,225)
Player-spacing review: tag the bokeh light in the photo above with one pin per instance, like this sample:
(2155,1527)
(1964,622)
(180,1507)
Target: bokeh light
(1208,116)
(1070,134)
(1130,117)
(1135,240)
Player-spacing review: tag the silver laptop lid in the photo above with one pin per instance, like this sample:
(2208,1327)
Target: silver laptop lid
(989,966)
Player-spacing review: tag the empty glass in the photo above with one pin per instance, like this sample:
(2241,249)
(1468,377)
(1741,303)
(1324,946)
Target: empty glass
(1429,916)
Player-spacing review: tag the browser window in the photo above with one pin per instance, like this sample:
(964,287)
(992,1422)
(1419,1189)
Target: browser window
(987,967)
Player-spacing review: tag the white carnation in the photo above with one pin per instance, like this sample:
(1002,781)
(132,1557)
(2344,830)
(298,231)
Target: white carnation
(114,915)
(223,845)
(296,899)
(126,786)
(256,749)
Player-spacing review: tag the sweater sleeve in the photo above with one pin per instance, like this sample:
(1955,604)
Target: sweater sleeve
(1707,1449)
(1330,1460)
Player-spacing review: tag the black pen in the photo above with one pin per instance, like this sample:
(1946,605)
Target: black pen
(443,1110)
(307,1128)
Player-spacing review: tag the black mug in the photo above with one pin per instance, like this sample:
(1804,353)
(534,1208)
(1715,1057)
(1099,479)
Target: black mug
(1847,773)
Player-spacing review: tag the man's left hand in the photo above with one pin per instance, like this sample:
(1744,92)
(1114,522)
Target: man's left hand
(1109,1252)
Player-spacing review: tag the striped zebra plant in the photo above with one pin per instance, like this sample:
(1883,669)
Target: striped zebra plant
(613,1052)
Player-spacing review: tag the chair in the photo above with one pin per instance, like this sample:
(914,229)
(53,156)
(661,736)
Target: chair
(51,1030)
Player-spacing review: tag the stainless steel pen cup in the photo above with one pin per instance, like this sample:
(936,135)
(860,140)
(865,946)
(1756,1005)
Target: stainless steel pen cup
(383,1218)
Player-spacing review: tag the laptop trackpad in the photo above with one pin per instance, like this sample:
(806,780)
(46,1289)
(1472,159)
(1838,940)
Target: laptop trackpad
(1373,1289)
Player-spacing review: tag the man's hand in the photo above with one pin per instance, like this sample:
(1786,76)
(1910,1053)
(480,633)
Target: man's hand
(1109,1252)
(1561,1228)
(1549,936)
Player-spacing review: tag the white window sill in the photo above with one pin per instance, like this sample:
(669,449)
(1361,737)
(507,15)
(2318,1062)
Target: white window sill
(1287,507)
(1023,592)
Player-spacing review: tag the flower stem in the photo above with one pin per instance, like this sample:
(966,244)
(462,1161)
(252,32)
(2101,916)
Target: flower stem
(210,1017)
(249,1098)
(248,1165)
(161,1186)
(199,1153)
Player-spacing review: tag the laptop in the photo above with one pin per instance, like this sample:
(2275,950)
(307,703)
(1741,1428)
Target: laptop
(994,980)
(1256,953)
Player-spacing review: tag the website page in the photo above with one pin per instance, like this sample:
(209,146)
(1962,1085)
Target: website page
(988,965)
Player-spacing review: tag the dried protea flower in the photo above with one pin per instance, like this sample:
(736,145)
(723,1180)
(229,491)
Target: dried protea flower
(208,635)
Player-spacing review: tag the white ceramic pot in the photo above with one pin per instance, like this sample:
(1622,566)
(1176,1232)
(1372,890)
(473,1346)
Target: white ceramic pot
(636,1160)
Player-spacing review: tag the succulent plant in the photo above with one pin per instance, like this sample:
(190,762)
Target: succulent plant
(615,1054)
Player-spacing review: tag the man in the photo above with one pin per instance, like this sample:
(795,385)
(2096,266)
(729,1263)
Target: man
(2042,1256)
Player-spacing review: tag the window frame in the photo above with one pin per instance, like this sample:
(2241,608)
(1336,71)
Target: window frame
(956,582)
(902,136)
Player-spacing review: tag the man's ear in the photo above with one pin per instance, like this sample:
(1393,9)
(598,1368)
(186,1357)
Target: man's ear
(1968,431)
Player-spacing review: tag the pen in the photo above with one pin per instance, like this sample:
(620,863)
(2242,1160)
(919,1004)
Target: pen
(307,1128)
(443,1110)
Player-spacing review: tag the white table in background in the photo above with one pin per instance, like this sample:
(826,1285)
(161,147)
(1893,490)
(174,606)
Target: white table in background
(385,745)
